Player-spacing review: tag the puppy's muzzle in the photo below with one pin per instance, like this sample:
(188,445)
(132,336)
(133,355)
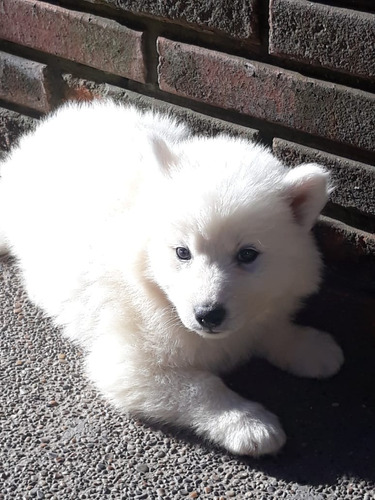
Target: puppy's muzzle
(210,316)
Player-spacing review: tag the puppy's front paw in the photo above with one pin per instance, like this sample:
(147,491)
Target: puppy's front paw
(251,430)
(316,355)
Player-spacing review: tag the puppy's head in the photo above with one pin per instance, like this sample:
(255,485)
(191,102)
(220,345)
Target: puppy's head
(230,237)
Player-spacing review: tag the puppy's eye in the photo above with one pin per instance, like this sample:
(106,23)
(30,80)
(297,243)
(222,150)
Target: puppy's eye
(246,255)
(183,253)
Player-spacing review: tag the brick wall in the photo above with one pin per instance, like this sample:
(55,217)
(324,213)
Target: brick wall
(297,75)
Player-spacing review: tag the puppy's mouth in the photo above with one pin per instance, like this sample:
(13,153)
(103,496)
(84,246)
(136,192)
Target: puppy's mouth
(211,333)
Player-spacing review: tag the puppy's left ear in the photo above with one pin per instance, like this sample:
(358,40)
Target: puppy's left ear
(307,188)
(163,154)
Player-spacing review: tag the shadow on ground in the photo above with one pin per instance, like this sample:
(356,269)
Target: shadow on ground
(330,424)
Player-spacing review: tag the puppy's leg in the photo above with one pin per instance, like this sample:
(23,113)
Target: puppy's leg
(185,397)
(303,351)
(202,401)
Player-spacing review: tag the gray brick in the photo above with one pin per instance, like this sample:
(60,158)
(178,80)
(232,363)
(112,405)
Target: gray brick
(12,126)
(323,35)
(237,19)
(349,254)
(24,82)
(354,182)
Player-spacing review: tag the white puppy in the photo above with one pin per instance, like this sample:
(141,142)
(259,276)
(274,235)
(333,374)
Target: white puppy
(171,259)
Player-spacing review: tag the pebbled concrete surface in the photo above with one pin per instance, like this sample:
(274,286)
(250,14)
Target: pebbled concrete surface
(60,440)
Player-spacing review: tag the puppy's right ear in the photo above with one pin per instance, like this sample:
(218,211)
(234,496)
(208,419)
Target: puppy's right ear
(163,154)
(307,188)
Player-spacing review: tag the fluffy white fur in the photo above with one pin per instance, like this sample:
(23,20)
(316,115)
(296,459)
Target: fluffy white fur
(94,204)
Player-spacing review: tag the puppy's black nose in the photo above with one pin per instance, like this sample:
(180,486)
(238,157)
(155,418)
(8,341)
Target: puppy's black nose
(210,316)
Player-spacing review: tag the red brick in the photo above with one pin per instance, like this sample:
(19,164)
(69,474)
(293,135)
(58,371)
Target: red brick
(84,38)
(236,19)
(24,82)
(269,93)
(354,182)
(323,35)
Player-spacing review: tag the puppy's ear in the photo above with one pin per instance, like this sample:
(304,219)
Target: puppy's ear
(163,154)
(307,189)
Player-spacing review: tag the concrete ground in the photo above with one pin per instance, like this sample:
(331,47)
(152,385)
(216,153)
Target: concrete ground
(60,440)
